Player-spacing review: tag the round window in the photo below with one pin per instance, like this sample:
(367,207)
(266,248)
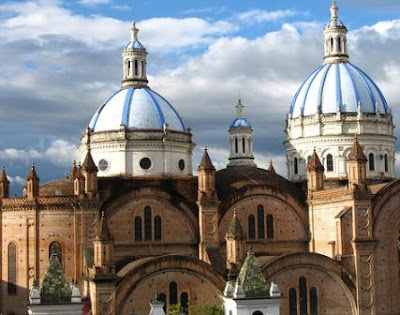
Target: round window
(103,165)
(181,164)
(145,163)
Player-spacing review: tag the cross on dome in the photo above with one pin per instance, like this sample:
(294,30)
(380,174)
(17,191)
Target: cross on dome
(134,32)
(239,109)
(334,13)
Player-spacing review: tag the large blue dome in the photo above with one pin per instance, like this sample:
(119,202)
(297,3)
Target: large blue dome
(136,108)
(334,87)
(240,122)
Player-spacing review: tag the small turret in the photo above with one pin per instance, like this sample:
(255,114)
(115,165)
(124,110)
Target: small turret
(89,171)
(4,184)
(206,171)
(74,171)
(32,183)
(271,167)
(208,203)
(315,173)
(357,166)
(79,182)
(234,243)
(103,246)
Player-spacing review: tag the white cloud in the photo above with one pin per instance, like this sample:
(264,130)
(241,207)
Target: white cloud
(260,16)
(44,19)
(16,180)
(60,153)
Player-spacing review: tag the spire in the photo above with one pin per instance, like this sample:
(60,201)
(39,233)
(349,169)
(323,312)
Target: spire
(235,229)
(74,171)
(271,167)
(88,164)
(32,174)
(357,152)
(103,232)
(239,109)
(334,14)
(335,38)
(3,177)
(205,162)
(315,163)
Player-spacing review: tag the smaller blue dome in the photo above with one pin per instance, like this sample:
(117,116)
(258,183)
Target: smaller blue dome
(240,122)
(135,44)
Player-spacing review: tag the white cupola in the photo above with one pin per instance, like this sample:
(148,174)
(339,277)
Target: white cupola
(134,62)
(241,140)
(137,132)
(334,103)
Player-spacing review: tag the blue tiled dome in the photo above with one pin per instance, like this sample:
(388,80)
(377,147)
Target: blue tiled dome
(338,86)
(134,44)
(240,122)
(136,108)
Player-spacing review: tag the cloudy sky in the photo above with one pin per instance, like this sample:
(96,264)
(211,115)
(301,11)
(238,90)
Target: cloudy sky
(59,60)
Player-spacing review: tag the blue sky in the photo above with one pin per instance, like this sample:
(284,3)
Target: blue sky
(61,59)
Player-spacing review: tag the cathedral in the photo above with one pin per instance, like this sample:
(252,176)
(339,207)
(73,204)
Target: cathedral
(132,219)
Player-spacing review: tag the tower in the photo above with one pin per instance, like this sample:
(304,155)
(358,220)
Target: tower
(4,184)
(103,247)
(315,173)
(235,250)
(32,184)
(89,172)
(208,203)
(335,102)
(357,165)
(241,140)
(134,62)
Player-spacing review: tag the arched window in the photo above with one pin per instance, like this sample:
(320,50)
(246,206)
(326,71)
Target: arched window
(244,145)
(260,221)
(331,44)
(339,42)
(236,145)
(12,268)
(270,226)
(173,293)
(258,313)
(143,70)
(252,227)
(129,67)
(147,223)
(329,163)
(296,166)
(138,229)
(185,302)
(157,228)
(308,159)
(303,295)
(292,302)
(136,67)
(55,248)
(313,301)
(386,158)
(371,162)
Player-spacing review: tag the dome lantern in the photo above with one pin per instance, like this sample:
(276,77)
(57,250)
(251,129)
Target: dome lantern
(335,38)
(241,140)
(134,62)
